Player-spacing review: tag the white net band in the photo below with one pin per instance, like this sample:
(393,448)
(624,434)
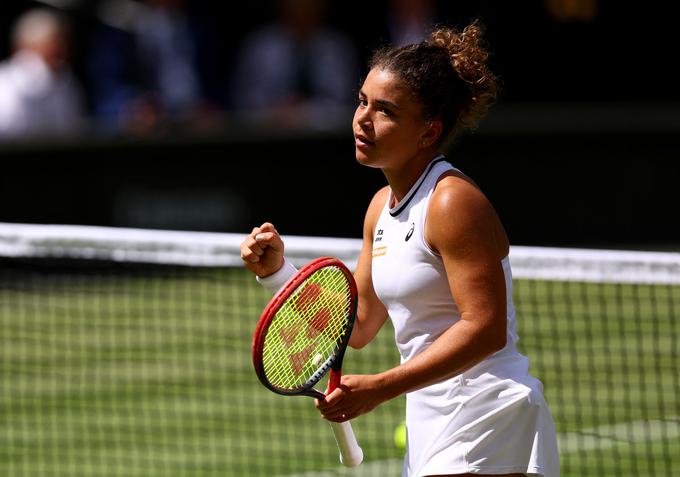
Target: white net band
(222,249)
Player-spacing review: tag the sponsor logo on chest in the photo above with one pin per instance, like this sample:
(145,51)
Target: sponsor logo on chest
(379,240)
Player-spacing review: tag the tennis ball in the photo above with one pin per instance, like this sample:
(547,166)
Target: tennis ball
(400,436)
(317,359)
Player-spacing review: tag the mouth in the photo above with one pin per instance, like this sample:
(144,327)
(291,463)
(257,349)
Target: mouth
(362,141)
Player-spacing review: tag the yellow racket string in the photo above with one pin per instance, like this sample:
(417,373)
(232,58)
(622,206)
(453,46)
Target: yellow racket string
(306,329)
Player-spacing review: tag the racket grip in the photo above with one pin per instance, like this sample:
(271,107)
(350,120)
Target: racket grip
(351,454)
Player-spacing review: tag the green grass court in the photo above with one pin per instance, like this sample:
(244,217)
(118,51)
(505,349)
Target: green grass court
(148,374)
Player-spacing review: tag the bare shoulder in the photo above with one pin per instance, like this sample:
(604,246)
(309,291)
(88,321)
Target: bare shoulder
(457,194)
(461,218)
(380,198)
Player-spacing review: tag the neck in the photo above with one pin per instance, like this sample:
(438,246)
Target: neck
(402,179)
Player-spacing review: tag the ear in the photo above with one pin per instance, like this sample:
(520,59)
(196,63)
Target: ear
(431,134)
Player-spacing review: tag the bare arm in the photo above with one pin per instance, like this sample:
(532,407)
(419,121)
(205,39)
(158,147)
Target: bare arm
(371,313)
(472,246)
(463,227)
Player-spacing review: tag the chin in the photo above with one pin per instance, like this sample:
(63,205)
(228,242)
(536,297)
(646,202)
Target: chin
(364,159)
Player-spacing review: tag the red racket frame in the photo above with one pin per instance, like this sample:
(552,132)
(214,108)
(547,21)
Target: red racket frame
(275,304)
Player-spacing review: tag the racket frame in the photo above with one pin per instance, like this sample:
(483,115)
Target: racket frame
(334,362)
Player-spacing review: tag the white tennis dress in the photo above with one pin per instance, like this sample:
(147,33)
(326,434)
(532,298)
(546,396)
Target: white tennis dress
(492,418)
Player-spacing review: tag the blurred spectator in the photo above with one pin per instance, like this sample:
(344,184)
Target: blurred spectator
(566,11)
(409,21)
(39,94)
(143,66)
(298,69)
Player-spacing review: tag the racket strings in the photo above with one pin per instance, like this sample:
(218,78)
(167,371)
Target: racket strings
(307,330)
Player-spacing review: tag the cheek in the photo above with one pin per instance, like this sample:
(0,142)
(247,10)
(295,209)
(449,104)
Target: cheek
(392,135)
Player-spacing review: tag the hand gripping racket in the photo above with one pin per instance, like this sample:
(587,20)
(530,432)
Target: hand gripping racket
(303,333)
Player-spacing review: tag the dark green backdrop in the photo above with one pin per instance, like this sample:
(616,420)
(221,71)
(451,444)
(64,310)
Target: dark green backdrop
(603,185)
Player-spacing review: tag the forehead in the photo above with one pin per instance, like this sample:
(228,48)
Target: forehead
(383,84)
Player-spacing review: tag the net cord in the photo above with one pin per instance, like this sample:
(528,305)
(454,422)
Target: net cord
(210,249)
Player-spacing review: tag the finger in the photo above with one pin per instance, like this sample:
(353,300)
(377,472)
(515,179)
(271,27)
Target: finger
(334,398)
(254,246)
(330,403)
(251,251)
(267,227)
(246,247)
(337,416)
(268,239)
(321,404)
(330,414)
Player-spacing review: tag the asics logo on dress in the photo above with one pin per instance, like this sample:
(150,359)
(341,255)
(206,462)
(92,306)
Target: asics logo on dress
(410,232)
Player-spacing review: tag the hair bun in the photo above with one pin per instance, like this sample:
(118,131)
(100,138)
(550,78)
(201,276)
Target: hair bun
(469,59)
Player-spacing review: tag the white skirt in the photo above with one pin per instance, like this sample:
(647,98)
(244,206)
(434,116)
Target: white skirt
(492,419)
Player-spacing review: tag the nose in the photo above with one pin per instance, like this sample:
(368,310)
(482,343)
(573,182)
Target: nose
(363,118)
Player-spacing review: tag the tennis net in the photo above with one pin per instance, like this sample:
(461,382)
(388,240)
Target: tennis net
(127,353)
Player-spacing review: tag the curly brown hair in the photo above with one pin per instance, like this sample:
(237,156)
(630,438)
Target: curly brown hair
(448,74)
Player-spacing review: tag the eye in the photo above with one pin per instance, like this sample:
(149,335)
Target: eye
(385,111)
(363,102)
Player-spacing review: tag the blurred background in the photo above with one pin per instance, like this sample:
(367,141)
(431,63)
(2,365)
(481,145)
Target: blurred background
(169,114)
(127,352)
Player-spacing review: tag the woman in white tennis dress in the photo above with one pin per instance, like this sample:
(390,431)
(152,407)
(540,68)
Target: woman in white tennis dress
(434,261)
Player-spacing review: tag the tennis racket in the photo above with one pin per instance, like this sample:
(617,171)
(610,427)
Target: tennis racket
(303,333)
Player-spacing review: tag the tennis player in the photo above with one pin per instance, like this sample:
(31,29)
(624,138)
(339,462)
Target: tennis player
(435,261)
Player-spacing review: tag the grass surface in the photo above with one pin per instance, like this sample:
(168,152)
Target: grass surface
(136,372)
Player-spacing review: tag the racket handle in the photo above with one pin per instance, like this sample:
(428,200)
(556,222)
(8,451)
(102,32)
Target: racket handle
(351,454)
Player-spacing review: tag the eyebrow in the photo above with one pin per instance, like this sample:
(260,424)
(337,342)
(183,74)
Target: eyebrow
(382,102)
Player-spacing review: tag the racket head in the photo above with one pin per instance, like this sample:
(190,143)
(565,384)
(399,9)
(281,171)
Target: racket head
(304,330)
